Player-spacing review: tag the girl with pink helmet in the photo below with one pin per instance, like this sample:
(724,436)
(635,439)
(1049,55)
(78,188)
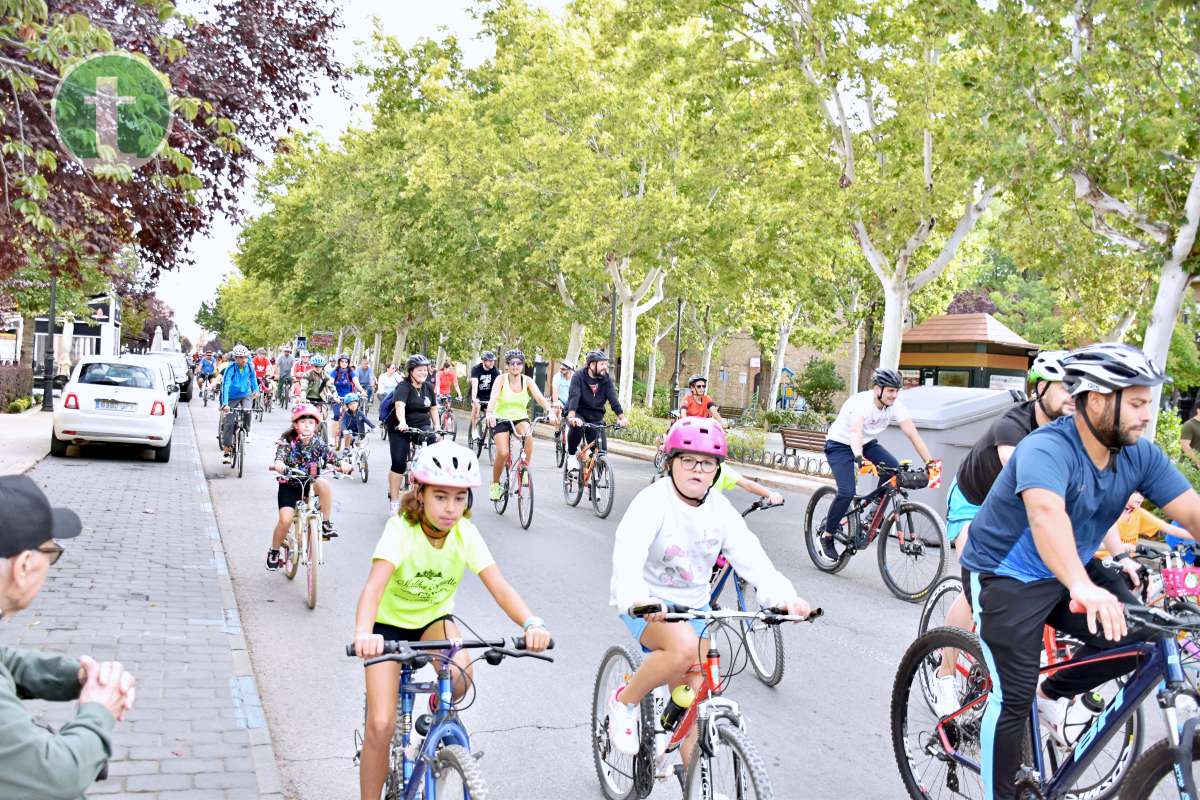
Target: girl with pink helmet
(665,549)
(416,570)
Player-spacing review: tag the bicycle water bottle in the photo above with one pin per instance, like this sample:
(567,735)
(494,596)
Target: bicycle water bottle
(681,700)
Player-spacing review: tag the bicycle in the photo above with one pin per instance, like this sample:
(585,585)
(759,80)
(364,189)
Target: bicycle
(560,441)
(913,530)
(723,750)
(268,401)
(594,472)
(446,417)
(358,454)
(660,455)
(257,407)
(419,439)
(285,393)
(205,389)
(764,643)
(482,437)
(304,544)
(1167,764)
(238,453)
(440,764)
(516,478)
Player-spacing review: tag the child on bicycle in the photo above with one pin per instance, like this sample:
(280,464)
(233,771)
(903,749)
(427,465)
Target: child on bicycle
(354,421)
(301,448)
(665,549)
(416,569)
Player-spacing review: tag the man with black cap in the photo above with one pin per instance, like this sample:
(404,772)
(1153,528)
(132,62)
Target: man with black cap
(35,763)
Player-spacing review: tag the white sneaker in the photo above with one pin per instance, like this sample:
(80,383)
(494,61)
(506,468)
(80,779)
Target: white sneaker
(247,437)
(623,725)
(573,462)
(945,695)
(393,508)
(1052,714)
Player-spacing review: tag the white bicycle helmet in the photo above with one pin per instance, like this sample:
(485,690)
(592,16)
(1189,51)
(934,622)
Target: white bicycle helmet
(445,463)
(241,351)
(1109,367)
(1048,366)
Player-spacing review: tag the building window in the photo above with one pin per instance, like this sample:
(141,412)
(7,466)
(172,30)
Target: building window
(954,377)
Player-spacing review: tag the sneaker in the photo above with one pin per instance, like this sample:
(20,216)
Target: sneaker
(247,437)
(227,458)
(945,695)
(273,559)
(623,725)
(1052,714)
(494,492)
(327,530)
(573,462)
(393,508)
(828,549)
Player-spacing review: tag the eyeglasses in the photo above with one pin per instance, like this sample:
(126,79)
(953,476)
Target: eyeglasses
(700,386)
(54,550)
(705,465)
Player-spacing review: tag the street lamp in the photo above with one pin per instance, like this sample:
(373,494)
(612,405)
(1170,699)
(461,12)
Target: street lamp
(48,355)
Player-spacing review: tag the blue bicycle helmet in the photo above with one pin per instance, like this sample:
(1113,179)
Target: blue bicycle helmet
(352,397)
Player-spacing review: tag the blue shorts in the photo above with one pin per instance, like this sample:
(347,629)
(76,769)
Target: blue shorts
(637,626)
(959,511)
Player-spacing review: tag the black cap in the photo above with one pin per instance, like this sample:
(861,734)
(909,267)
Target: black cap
(28,521)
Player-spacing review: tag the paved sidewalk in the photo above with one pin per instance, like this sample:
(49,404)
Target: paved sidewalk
(147,584)
(24,440)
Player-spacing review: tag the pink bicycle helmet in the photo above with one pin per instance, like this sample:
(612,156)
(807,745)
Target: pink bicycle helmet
(306,410)
(445,463)
(696,435)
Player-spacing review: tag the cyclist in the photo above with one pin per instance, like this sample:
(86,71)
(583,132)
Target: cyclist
(302,366)
(239,388)
(354,421)
(591,388)
(447,377)
(300,448)
(413,406)
(262,366)
(979,471)
(865,414)
(560,387)
(389,380)
(698,404)
(208,369)
(366,378)
(508,413)
(1030,552)
(318,388)
(344,382)
(665,549)
(483,375)
(416,570)
(283,373)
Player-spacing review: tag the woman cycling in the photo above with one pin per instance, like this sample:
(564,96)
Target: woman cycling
(409,596)
(301,448)
(344,382)
(413,409)
(665,549)
(508,412)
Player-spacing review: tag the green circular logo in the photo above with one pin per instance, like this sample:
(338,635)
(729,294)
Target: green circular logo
(112,108)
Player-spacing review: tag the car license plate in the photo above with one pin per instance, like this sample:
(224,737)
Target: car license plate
(115,405)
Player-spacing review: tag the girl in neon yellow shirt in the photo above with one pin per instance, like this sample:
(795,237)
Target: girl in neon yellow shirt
(415,571)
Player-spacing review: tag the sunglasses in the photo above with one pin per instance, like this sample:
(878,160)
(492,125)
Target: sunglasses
(54,550)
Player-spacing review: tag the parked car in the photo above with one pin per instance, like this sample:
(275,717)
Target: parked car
(182,370)
(168,375)
(116,400)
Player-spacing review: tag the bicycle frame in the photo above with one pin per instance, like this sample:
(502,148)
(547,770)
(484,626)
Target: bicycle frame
(418,777)
(588,452)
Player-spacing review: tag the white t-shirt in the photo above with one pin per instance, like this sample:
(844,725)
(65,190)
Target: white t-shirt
(875,419)
(665,548)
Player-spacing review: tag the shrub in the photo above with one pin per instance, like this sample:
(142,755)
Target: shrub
(747,437)
(819,382)
(15,382)
(1167,431)
(778,418)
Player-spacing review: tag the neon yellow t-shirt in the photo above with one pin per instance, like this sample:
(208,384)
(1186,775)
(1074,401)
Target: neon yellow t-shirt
(729,478)
(425,578)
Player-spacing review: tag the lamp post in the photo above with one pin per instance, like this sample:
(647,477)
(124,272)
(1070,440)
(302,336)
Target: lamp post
(48,355)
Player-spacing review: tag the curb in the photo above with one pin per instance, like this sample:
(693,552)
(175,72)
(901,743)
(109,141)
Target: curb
(21,467)
(244,688)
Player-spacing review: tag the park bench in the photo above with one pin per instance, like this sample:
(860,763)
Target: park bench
(731,413)
(802,439)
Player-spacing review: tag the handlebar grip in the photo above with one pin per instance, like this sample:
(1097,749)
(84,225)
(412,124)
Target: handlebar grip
(657,608)
(350,650)
(519,643)
(1075,607)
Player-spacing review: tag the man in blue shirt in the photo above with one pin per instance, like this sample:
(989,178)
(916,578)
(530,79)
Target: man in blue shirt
(208,366)
(1032,546)
(239,387)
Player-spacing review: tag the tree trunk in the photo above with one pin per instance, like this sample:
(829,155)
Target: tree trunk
(628,334)
(375,352)
(652,366)
(1172,288)
(398,351)
(1118,331)
(709,346)
(631,305)
(895,306)
(855,347)
(766,369)
(867,364)
(337,351)
(356,354)
(575,342)
(785,333)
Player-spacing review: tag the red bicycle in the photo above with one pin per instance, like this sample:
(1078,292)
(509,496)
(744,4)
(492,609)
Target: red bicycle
(516,480)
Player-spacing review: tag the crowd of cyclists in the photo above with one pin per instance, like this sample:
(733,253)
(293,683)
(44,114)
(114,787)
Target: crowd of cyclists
(1054,482)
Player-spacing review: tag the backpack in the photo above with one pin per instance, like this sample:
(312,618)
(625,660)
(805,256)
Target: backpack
(386,405)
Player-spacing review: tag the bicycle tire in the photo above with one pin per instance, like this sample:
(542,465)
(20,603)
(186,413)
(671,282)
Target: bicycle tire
(450,425)
(491,449)
(812,532)
(603,482)
(454,758)
(1155,764)
(364,466)
(749,772)
(560,447)
(204,398)
(947,589)
(239,451)
(627,661)
(311,563)
(572,486)
(764,643)
(524,497)
(889,543)
(292,565)
(501,503)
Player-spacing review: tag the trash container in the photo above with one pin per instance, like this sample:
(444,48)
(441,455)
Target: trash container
(951,420)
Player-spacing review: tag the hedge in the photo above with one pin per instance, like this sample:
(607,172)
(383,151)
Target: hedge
(15,382)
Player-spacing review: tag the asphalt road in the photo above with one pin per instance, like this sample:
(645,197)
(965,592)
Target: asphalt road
(823,731)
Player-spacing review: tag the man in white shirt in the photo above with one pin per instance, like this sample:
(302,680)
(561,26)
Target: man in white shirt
(852,435)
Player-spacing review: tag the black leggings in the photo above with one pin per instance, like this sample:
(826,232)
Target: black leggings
(1009,617)
(400,444)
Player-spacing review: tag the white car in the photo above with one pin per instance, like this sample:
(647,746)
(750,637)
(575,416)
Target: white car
(116,400)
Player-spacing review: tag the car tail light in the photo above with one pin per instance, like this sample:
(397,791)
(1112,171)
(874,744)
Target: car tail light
(158,409)
(71,402)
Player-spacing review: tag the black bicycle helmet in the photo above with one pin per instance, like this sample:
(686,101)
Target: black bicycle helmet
(417,360)
(887,378)
(596,355)
(692,380)
(514,355)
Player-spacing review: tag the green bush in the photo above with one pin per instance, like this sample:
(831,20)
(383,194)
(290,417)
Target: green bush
(1167,431)
(778,418)
(808,418)
(18,405)
(819,382)
(747,437)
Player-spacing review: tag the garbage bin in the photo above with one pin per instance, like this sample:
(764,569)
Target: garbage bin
(951,420)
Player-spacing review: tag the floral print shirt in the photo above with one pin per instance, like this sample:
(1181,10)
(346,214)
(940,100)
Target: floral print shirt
(309,456)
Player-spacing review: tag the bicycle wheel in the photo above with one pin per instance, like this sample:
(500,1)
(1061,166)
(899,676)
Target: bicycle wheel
(1153,775)
(814,522)
(560,446)
(364,465)
(311,560)
(450,425)
(491,448)
(501,503)
(291,564)
(524,497)
(764,643)
(456,774)
(619,774)
(239,451)
(204,397)
(938,602)
(912,551)
(735,768)
(572,486)
(603,487)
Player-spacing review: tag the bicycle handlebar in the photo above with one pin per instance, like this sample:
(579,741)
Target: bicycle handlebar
(514,646)
(679,613)
(761,503)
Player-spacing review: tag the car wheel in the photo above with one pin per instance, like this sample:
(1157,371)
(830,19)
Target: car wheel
(163,454)
(58,447)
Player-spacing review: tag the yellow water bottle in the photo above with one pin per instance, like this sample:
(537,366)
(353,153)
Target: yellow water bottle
(681,700)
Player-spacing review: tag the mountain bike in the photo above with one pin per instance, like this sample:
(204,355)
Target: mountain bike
(482,437)
(446,417)
(303,544)
(358,454)
(724,764)
(206,390)
(285,393)
(257,407)
(594,472)
(516,478)
(439,764)
(419,439)
(238,452)
(764,643)
(912,552)
(943,753)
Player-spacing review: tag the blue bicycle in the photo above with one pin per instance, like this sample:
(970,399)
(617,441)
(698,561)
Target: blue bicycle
(441,763)
(939,756)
